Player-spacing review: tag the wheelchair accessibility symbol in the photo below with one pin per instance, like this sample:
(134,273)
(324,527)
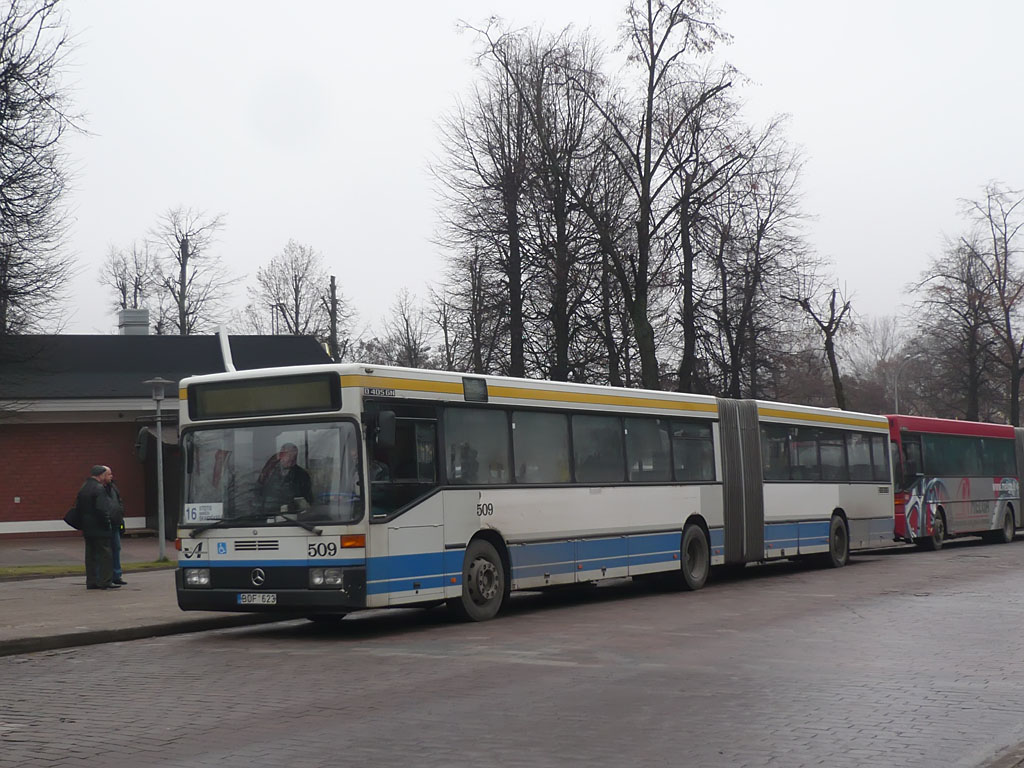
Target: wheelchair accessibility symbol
(222,547)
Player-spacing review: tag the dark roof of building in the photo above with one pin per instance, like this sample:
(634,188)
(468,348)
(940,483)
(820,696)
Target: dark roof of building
(57,367)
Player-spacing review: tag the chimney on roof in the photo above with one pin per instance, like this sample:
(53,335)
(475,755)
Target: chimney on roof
(133,322)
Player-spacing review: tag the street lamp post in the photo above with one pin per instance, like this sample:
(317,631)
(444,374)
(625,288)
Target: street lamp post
(158,385)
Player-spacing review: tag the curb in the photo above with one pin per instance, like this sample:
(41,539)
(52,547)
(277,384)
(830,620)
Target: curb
(94,637)
(1010,758)
(69,575)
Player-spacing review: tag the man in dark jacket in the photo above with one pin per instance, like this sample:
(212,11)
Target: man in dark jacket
(116,510)
(94,506)
(283,483)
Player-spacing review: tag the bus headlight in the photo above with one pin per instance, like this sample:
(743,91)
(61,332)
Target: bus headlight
(197,577)
(326,578)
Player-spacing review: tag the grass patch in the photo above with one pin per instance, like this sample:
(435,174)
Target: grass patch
(13,572)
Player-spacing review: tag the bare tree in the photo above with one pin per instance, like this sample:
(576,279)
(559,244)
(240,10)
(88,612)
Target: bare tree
(187,273)
(407,339)
(292,295)
(34,119)
(482,184)
(563,272)
(128,272)
(998,221)
(751,240)
(661,35)
(954,311)
(827,316)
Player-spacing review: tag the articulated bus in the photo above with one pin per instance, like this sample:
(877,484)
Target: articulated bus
(955,478)
(322,490)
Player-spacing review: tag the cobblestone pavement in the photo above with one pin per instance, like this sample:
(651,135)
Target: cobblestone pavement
(901,659)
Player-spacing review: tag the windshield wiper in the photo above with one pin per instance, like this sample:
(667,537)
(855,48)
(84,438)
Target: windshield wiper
(301,523)
(224,522)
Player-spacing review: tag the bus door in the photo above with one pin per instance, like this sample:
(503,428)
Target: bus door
(742,480)
(403,480)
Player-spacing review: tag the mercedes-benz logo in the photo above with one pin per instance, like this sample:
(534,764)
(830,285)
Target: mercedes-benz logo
(257,577)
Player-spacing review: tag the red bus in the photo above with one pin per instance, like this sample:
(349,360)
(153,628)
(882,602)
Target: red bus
(955,478)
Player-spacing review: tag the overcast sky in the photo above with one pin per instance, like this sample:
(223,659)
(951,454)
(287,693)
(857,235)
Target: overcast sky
(317,121)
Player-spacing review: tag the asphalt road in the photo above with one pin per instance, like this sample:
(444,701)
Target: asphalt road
(901,659)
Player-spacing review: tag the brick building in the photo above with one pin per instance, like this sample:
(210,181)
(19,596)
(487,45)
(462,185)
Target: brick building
(68,402)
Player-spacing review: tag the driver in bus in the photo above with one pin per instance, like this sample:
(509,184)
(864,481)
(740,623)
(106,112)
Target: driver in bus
(283,485)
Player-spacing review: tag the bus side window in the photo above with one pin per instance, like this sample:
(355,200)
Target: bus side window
(911,459)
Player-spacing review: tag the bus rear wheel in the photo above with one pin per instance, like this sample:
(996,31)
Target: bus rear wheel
(1005,532)
(696,557)
(838,543)
(934,542)
(483,583)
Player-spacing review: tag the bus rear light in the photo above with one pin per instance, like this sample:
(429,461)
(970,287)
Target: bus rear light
(353,541)
(177,544)
(901,498)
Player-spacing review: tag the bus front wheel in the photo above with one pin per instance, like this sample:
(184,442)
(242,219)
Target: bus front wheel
(838,543)
(933,543)
(483,583)
(696,557)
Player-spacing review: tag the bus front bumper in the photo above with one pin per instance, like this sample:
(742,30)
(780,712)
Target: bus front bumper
(241,597)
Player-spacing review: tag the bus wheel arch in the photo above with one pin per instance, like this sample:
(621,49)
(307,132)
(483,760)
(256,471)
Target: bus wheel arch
(485,578)
(1004,534)
(694,554)
(838,554)
(934,542)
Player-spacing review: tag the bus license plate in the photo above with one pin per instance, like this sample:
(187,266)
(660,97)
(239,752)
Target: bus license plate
(257,598)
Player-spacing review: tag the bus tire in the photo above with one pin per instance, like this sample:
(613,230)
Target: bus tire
(696,557)
(483,583)
(838,543)
(1006,531)
(934,542)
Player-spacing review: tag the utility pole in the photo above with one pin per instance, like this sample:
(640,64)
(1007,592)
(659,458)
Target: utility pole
(158,385)
(332,310)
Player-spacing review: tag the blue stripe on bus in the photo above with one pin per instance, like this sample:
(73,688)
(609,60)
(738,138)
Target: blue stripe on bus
(796,535)
(814,534)
(405,566)
(653,558)
(599,549)
(541,554)
(400,573)
(526,571)
(645,544)
(407,585)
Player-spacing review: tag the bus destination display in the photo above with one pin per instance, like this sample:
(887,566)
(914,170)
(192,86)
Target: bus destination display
(261,397)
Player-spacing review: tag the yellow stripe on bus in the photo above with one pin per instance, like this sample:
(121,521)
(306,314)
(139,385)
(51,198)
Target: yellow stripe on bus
(595,399)
(410,385)
(523,393)
(822,418)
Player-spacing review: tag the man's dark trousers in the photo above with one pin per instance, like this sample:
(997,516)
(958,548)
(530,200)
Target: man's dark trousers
(99,562)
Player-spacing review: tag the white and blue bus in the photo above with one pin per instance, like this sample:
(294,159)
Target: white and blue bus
(323,490)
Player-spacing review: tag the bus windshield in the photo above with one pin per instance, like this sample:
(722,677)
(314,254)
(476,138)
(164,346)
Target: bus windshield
(272,472)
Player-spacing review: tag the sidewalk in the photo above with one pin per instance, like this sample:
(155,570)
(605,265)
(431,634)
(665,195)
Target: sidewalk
(46,613)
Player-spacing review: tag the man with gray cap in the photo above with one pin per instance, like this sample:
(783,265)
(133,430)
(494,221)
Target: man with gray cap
(94,507)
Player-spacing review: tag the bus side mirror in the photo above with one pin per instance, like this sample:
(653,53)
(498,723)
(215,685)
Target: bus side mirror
(385,437)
